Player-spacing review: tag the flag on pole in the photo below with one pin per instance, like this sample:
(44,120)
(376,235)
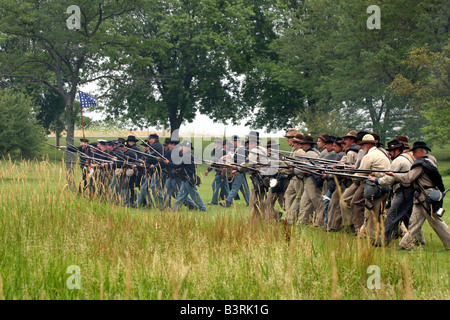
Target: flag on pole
(86,100)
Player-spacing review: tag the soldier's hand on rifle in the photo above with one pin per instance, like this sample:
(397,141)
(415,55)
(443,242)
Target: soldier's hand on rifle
(166,161)
(390,173)
(372,179)
(235,172)
(352,167)
(206,173)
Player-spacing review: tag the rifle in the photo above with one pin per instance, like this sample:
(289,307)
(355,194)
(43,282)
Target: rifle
(83,155)
(231,166)
(164,158)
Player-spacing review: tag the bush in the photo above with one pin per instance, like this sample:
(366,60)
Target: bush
(19,131)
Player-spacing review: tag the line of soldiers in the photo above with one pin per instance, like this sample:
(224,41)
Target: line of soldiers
(115,170)
(388,194)
(349,184)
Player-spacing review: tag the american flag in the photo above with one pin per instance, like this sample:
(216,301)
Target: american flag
(86,100)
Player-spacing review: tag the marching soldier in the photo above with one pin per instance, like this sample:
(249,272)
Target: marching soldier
(276,192)
(240,178)
(146,171)
(341,197)
(336,155)
(115,169)
(402,203)
(357,201)
(311,202)
(220,180)
(294,189)
(173,181)
(425,178)
(257,154)
(190,180)
(327,153)
(127,192)
(374,159)
(157,181)
(340,217)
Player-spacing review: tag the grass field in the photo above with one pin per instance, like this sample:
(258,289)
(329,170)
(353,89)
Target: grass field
(124,253)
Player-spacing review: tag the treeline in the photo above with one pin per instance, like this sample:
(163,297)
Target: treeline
(323,65)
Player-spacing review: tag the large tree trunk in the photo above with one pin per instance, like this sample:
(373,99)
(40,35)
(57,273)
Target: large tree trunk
(58,137)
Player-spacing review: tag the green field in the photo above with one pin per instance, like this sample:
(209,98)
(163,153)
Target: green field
(125,253)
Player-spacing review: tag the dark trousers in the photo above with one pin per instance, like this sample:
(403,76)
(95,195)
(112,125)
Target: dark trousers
(400,210)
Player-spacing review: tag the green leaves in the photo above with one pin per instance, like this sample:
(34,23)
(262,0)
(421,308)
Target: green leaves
(19,129)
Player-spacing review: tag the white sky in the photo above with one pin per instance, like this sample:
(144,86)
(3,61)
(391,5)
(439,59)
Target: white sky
(201,126)
(204,126)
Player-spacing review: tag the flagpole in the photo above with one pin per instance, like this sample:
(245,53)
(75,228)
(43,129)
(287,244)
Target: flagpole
(82,124)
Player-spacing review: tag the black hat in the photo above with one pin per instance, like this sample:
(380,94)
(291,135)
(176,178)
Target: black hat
(153,136)
(120,140)
(338,140)
(235,138)
(84,140)
(394,144)
(94,144)
(131,138)
(330,139)
(307,140)
(110,143)
(102,142)
(420,145)
(166,141)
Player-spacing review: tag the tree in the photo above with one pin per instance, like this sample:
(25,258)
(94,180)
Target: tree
(177,63)
(40,45)
(428,89)
(19,129)
(51,110)
(337,62)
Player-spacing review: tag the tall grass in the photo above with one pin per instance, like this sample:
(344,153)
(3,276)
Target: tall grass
(127,253)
